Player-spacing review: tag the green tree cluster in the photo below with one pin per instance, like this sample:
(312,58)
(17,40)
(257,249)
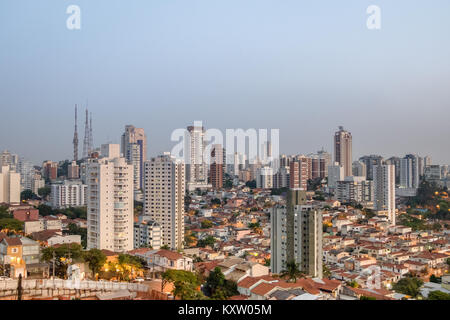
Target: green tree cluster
(218,288)
(409,285)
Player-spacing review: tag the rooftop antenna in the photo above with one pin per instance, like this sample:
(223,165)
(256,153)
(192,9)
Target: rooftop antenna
(86,136)
(91,138)
(75,137)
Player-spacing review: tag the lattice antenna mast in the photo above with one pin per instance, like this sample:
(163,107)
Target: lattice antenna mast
(75,137)
(91,138)
(86,137)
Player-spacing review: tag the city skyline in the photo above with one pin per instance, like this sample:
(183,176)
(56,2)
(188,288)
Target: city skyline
(147,64)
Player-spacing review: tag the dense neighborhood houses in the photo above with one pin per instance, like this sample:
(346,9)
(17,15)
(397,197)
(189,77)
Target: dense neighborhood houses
(318,233)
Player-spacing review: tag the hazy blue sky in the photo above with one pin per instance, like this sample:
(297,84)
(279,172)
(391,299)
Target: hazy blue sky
(304,67)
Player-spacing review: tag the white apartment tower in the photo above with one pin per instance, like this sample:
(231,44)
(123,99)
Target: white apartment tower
(384,190)
(70,193)
(164,191)
(409,171)
(9,185)
(196,167)
(110,201)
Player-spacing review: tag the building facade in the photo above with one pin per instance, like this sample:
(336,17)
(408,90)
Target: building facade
(164,192)
(110,201)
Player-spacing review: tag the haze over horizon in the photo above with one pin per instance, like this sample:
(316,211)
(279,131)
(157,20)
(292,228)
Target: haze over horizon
(302,68)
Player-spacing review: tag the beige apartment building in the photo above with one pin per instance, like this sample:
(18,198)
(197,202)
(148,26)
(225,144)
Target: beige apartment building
(164,197)
(9,185)
(110,201)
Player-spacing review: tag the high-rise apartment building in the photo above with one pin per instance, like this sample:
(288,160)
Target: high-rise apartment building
(296,235)
(70,193)
(9,159)
(110,201)
(147,233)
(264,178)
(9,185)
(395,161)
(319,164)
(370,162)
(409,171)
(196,166)
(164,191)
(384,190)
(299,173)
(335,174)
(281,178)
(216,171)
(134,149)
(73,171)
(359,169)
(50,170)
(343,150)
(355,189)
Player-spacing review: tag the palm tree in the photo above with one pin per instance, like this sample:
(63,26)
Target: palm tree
(292,271)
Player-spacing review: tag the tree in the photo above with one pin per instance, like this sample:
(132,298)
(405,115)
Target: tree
(292,271)
(367,298)
(206,224)
(11,224)
(185,284)
(4,213)
(326,271)
(408,285)
(76,230)
(438,295)
(208,241)
(27,195)
(44,191)
(218,288)
(95,259)
(165,247)
(353,284)
(62,254)
(434,279)
(216,201)
(45,210)
(251,184)
(256,227)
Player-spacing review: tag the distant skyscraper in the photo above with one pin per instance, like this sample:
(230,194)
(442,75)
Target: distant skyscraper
(335,174)
(9,185)
(426,161)
(216,172)
(26,170)
(296,235)
(110,201)
(164,192)
(298,173)
(395,161)
(9,159)
(409,171)
(370,162)
(359,169)
(73,171)
(384,190)
(264,178)
(343,150)
(134,149)
(196,167)
(50,170)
